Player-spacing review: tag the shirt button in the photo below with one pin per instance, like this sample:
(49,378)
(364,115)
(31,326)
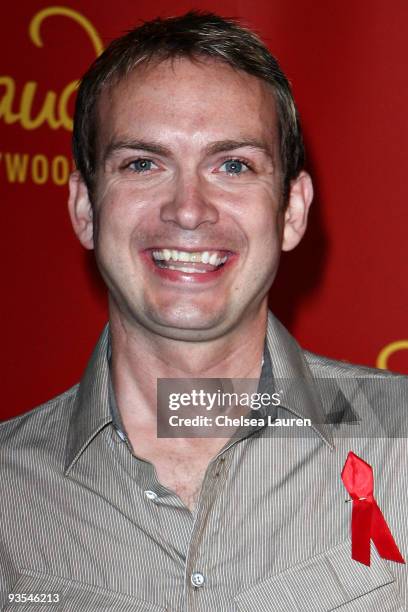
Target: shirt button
(197,579)
(151,495)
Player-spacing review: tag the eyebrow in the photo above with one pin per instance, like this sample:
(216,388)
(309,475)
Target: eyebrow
(145,145)
(230,145)
(156,148)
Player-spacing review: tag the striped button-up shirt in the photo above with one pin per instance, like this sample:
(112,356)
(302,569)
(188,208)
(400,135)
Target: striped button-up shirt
(86,525)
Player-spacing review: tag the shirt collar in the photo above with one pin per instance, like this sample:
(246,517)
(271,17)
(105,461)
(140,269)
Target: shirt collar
(294,378)
(92,411)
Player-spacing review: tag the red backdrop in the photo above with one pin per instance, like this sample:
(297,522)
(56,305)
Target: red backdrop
(342,293)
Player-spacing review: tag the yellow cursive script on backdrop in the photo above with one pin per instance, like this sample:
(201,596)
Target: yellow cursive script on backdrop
(388,350)
(54,109)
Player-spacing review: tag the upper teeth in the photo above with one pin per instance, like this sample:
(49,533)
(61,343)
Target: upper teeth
(205,257)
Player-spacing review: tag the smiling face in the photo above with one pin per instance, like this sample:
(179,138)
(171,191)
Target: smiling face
(188,219)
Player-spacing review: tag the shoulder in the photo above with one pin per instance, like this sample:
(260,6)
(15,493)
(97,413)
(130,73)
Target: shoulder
(40,429)
(377,399)
(327,367)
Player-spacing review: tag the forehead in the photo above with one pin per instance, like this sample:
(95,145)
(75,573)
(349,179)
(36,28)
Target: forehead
(198,100)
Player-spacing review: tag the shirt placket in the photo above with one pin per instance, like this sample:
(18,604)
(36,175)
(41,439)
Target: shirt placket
(198,575)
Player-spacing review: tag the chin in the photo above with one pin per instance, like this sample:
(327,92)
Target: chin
(191,326)
(188,335)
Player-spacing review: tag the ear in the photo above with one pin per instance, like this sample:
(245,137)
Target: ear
(295,223)
(80,210)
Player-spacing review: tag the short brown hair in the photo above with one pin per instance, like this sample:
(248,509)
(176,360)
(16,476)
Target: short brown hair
(191,35)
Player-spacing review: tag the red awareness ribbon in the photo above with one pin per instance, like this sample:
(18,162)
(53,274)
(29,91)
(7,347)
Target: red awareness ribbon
(367,520)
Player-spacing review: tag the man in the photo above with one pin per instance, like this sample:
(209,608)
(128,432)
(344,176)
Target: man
(190,183)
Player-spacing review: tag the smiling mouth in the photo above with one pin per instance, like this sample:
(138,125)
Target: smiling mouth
(196,262)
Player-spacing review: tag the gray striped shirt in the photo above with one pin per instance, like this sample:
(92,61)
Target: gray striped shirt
(86,521)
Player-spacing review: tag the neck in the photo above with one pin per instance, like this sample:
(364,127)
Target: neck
(140,357)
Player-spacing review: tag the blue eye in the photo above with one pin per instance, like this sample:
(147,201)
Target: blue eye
(235,166)
(141,165)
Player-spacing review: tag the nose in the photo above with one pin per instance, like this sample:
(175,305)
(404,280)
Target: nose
(190,205)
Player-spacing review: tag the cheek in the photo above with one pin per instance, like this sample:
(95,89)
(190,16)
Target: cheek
(126,202)
(264,236)
(119,206)
(260,217)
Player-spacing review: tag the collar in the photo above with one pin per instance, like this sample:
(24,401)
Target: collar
(92,411)
(292,375)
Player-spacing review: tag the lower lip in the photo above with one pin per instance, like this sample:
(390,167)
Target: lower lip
(188,277)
